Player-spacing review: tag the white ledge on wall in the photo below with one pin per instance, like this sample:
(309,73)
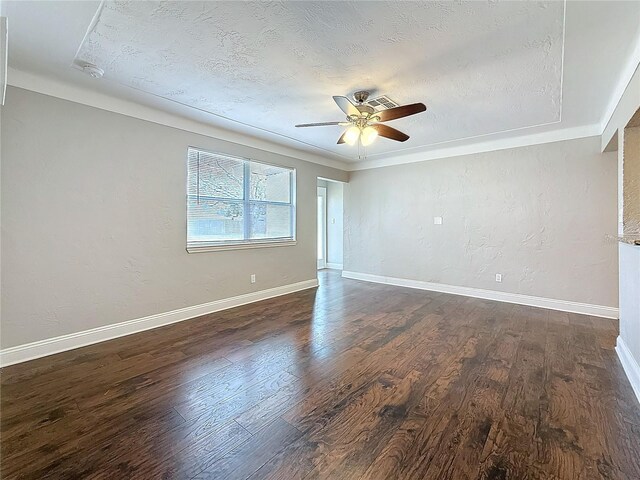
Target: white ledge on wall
(541,302)
(238,246)
(49,346)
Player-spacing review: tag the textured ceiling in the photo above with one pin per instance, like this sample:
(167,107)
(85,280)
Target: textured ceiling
(489,71)
(480,67)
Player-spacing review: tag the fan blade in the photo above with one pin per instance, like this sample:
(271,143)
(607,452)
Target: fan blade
(346,106)
(322,124)
(392,133)
(341,139)
(399,112)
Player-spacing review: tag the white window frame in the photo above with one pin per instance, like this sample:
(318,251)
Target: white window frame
(209,246)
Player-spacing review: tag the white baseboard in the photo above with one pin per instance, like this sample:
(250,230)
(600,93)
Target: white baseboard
(49,346)
(631,367)
(334,266)
(553,304)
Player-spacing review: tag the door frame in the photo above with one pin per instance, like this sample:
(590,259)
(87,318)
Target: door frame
(321,223)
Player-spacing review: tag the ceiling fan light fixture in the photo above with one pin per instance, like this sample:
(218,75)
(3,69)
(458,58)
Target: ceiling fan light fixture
(351,135)
(369,134)
(365,123)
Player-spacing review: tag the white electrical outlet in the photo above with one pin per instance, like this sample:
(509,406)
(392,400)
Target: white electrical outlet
(498,277)
(437,220)
(253,278)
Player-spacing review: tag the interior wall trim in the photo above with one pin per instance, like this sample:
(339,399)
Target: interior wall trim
(334,266)
(49,346)
(633,63)
(102,101)
(529,140)
(630,366)
(58,89)
(541,302)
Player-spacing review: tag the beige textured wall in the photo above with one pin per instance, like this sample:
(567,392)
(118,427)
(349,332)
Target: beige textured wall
(542,216)
(93,221)
(631,181)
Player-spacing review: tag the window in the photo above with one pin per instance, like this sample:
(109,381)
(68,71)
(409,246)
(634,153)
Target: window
(234,203)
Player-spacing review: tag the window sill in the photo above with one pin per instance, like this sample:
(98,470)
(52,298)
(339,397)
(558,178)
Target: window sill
(239,246)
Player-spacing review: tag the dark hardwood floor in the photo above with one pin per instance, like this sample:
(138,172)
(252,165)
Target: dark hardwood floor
(352,381)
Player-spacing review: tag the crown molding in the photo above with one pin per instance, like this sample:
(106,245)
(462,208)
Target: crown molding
(65,91)
(483,147)
(633,64)
(55,88)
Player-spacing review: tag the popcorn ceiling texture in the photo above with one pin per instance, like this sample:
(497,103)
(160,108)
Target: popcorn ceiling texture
(542,216)
(481,67)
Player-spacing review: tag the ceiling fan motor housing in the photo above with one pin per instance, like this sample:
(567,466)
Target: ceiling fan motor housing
(361,96)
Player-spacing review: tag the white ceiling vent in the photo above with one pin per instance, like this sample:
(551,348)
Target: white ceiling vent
(381,103)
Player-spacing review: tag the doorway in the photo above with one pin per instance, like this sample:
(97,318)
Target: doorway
(330,224)
(322,227)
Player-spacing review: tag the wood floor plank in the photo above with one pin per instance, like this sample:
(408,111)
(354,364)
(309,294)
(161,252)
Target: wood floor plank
(188,453)
(350,380)
(356,437)
(249,456)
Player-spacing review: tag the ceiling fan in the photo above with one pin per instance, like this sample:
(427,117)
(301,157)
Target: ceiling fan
(365,123)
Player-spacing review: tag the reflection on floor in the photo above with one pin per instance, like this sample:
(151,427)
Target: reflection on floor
(354,380)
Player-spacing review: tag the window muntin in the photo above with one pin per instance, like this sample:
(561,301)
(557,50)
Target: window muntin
(236,202)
